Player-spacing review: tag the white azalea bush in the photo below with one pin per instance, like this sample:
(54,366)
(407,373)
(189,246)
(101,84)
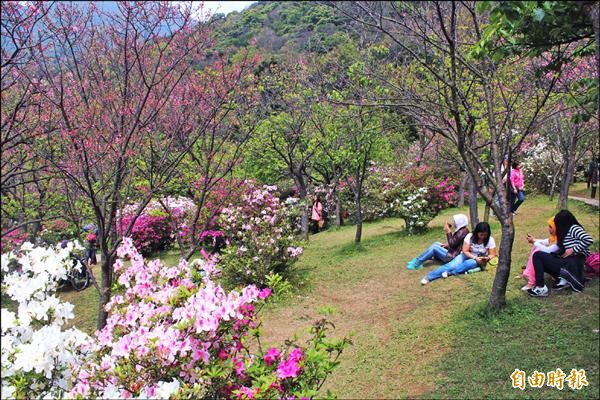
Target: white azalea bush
(37,350)
(540,166)
(414,210)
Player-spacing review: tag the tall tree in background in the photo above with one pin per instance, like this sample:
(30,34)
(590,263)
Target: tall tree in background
(538,28)
(533,28)
(209,124)
(23,181)
(286,134)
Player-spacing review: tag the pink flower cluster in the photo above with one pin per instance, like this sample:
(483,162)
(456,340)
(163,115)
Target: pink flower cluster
(164,324)
(155,229)
(12,240)
(290,367)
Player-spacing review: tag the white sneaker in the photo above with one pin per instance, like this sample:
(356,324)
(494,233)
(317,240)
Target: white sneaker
(424,281)
(538,291)
(562,284)
(444,274)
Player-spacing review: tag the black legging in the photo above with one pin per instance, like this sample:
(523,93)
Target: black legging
(551,264)
(314,224)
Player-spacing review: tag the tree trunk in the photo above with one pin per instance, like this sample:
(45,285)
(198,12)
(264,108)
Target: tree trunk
(498,296)
(105,292)
(554,178)
(486,213)
(358,215)
(307,208)
(461,189)
(563,196)
(473,212)
(338,220)
(35,230)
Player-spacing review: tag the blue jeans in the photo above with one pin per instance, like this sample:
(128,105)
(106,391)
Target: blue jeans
(434,251)
(516,199)
(459,265)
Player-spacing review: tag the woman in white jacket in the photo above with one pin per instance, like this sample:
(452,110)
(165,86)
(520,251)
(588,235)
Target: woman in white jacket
(544,245)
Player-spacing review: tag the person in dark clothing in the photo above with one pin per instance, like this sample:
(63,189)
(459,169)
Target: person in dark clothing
(90,249)
(567,263)
(593,175)
(445,252)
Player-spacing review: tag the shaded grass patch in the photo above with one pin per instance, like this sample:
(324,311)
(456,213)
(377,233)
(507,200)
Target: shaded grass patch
(528,334)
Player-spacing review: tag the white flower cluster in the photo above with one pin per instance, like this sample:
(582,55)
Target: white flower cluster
(413,209)
(37,353)
(540,163)
(181,204)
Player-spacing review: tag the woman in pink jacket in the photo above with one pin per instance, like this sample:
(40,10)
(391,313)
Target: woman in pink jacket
(317,214)
(517,184)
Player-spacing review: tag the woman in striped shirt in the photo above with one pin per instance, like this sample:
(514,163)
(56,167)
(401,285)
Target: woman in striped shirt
(566,265)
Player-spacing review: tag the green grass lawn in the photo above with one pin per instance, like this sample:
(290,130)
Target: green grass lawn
(433,341)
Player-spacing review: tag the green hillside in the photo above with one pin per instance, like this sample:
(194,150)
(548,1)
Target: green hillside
(282,27)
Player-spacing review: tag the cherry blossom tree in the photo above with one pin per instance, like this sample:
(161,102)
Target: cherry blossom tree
(109,82)
(21,171)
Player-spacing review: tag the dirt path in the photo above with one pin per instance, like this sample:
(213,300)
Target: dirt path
(591,202)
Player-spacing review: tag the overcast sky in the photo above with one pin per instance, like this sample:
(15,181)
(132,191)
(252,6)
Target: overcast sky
(226,7)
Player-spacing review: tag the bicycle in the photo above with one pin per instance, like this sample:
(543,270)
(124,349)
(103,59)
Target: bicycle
(78,275)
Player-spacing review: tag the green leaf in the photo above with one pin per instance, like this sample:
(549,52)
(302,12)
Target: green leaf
(538,14)
(484,6)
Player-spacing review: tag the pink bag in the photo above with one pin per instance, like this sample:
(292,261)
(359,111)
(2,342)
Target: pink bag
(592,266)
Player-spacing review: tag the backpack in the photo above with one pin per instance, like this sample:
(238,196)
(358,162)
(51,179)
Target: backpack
(592,265)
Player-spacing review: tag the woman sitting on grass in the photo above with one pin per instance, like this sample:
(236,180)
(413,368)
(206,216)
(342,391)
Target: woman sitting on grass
(546,245)
(567,263)
(478,247)
(445,252)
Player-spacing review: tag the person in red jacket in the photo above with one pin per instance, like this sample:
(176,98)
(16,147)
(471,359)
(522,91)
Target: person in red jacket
(90,249)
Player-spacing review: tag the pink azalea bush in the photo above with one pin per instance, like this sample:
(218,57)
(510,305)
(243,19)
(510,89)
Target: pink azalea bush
(416,194)
(155,229)
(172,332)
(260,236)
(12,240)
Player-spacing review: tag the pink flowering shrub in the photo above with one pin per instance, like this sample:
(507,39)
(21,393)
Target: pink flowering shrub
(416,194)
(260,236)
(151,232)
(173,332)
(155,229)
(12,240)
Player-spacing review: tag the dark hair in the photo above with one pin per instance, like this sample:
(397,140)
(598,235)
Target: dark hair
(564,220)
(482,227)
(515,164)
